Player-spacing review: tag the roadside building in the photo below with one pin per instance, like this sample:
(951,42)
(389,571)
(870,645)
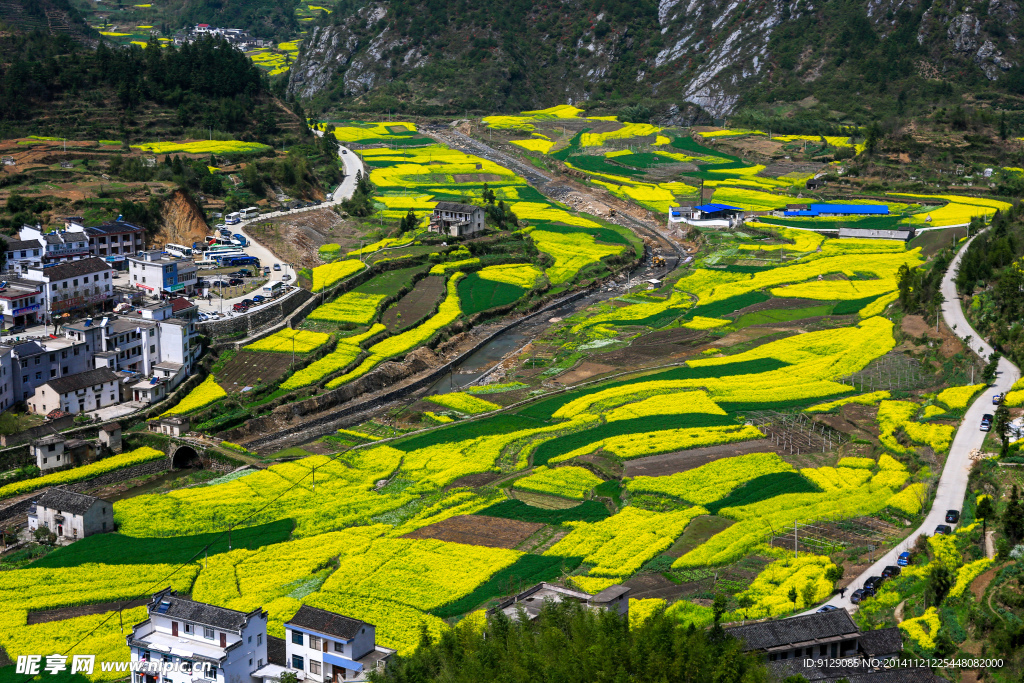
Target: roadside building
(209,644)
(457,220)
(115,241)
(58,246)
(71,515)
(75,286)
(21,301)
(822,634)
(716,212)
(22,255)
(161,275)
(74,394)
(33,363)
(614,598)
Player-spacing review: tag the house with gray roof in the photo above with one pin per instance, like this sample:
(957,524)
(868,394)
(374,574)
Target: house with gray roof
(824,634)
(210,644)
(79,393)
(71,515)
(457,220)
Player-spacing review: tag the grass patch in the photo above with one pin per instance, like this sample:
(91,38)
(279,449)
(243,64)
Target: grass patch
(499,424)
(698,531)
(587,511)
(763,488)
(730,305)
(391,282)
(477,295)
(782,315)
(853,306)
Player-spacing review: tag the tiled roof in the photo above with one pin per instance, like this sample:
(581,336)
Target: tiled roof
(82,380)
(455,206)
(803,629)
(180,303)
(883,641)
(112,228)
(68,269)
(325,622)
(22,244)
(67,501)
(172,606)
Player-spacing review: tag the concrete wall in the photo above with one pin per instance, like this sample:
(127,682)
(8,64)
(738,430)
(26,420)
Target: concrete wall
(250,322)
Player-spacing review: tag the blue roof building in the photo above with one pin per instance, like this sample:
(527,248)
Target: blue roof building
(842,210)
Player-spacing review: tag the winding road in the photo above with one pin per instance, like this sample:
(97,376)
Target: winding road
(953,484)
(352,163)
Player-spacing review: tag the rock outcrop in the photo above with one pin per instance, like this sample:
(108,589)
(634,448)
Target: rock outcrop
(182,222)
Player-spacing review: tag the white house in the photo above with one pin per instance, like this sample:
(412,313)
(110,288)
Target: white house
(81,393)
(326,647)
(48,452)
(75,285)
(529,602)
(209,644)
(59,246)
(21,302)
(23,254)
(157,274)
(71,515)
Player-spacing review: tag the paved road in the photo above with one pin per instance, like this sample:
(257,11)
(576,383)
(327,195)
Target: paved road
(953,484)
(346,189)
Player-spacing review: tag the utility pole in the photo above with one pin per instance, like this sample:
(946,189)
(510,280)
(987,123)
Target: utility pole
(796,551)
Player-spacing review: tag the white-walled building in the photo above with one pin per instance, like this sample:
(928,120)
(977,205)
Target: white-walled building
(21,302)
(59,246)
(76,285)
(80,393)
(325,647)
(48,452)
(71,515)
(33,363)
(158,274)
(219,645)
(22,255)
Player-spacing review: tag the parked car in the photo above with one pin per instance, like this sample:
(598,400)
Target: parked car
(219,283)
(869,590)
(858,595)
(986,422)
(242,272)
(248,302)
(259,298)
(874,582)
(952,516)
(891,571)
(277,266)
(997,399)
(943,530)
(286,277)
(316,202)
(234,281)
(203,316)
(16,329)
(904,559)
(240,307)
(827,608)
(266,270)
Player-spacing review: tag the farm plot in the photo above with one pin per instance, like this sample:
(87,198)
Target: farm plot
(252,368)
(414,306)
(493,532)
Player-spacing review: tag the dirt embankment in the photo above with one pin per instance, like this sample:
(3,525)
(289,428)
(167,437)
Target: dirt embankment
(183,222)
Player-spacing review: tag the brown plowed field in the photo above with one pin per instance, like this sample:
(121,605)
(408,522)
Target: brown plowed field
(493,532)
(416,305)
(249,368)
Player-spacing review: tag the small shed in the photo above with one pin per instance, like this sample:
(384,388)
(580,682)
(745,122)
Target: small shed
(110,436)
(173,425)
(48,452)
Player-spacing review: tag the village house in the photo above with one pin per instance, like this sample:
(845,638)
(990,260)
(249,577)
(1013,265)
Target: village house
(110,437)
(172,425)
(215,644)
(48,452)
(71,515)
(530,601)
(457,220)
(74,394)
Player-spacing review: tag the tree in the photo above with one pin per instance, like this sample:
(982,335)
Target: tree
(988,375)
(572,644)
(792,594)
(1002,425)
(985,511)
(1013,518)
(289,677)
(940,581)
(408,222)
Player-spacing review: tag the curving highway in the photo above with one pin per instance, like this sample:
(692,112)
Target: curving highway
(953,484)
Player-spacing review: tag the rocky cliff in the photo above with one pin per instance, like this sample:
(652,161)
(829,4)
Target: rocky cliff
(718,54)
(182,222)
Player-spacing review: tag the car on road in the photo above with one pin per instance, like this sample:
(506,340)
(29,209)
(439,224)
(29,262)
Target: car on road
(286,277)
(874,582)
(997,399)
(986,422)
(952,516)
(240,307)
(943,530)
(16,329)
(904,559)
(259,298)
(826,608)
(266,270)
(858,595)
(204,316)
(225,232)
(891,571)
(234,282)
(277,266)
(344,151)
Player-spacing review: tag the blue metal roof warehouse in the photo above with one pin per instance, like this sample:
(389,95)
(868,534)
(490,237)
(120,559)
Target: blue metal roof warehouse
(716,208)
(842,210)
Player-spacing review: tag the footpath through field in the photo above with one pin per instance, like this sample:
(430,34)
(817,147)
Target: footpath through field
(346,189)
(953,484)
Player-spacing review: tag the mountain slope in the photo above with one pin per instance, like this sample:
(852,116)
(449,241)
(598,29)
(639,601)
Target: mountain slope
(425,56)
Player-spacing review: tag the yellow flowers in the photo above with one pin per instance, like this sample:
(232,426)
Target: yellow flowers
(832,479)
(957,398)
(622,543)
(115,462)
(204,394)
(534,144)
(628,130)
(386,243)
(910,500)
(702,323)
(523,275)
(863,400)
(894,415)
(343,355)
(923,629)
(326,275)
(464,403)
(568,482)
(369,132)
(286,341)
(571,251)
(445,268)
(959,211)
(351,307)
(664,404)
(642,610)
(967,574)
(852,461)
(202,147)
(712,481)
(770,591)
(650,443)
